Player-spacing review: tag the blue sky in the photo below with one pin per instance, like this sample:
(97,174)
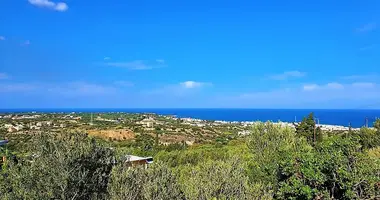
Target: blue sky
(161,54)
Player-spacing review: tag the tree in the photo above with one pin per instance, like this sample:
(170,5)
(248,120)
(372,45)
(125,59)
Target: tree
(319,134)
(335,169)
(63,166)
(145,142)
(269,143)
(220,180)
(157,182)
(306,128)
(376,124)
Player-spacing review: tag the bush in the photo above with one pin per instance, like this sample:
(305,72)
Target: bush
(336,168)
(63,166)
(220,180)
(157,182)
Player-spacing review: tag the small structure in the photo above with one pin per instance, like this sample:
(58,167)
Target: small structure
(147,122)
(2,143)
(12,129)
(134,161)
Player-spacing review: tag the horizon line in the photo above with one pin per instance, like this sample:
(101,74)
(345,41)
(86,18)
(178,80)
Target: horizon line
(67,108)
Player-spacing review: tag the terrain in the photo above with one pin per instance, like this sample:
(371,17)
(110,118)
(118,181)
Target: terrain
(81,156)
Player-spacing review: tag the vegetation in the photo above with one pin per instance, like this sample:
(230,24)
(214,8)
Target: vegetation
(272,162)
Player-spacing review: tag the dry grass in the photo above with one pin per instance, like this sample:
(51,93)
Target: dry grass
(118,134)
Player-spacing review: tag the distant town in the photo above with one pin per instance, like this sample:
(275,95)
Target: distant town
(125,126)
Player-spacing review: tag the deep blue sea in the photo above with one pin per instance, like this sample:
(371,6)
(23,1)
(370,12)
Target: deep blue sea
(357,118)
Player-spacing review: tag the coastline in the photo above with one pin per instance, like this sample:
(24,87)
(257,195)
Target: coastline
(329,118)
(324,127)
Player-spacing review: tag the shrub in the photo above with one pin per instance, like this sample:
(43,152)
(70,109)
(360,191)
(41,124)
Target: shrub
(63,166)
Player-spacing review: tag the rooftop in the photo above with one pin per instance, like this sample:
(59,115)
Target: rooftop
(132,158)
(3,142)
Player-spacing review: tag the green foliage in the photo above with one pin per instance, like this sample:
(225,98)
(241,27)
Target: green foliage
(145,142)
(272,162)
(336,168)
(219,180)
(376,124)
(306,128)
(368,138)
(269,143)
(319,134)
(63,166)
(195,155)
(157,182)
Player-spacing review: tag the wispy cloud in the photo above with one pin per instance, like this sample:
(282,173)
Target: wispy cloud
(26,43)
(3,76)
(367,28)
(133,65)
(193,84)
(17,87)
(332,85)
(287,75)
(2,38)
(106,58)
(363,85)
(136,65)
(161,61)
(310,87)
(362,77)
(59,6)
(182,89)
(82,89)
(340,86)
(332,95)
(124,83)
(66,89)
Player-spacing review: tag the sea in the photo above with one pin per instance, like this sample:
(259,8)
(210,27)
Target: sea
(357,118)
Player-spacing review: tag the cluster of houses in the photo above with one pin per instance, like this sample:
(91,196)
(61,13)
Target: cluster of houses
(16,117)
(11,128)
(72,117)
(148,122)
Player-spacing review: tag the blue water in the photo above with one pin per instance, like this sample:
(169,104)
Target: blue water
(357,118)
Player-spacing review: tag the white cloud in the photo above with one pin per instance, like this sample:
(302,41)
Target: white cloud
(310,87)
(363,85)
(367,28)
(191,84)
(136,65)
(309,96)
(2,38)
(334,85)
(287,75)
(3,76)
(59,6)
(328,86)
(183,89)
(124,83)
(106,58)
